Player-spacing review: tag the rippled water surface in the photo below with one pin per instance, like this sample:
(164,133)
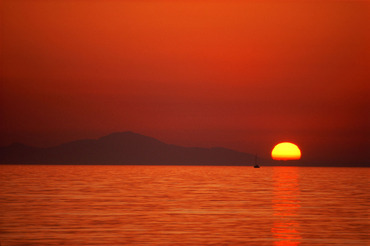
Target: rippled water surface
(183,205)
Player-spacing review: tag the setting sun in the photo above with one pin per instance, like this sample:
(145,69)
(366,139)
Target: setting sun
(286,151)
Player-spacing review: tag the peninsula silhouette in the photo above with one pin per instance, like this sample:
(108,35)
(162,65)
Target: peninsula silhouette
(123,148)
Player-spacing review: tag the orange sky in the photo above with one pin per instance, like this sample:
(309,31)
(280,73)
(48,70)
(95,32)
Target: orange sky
(238,74)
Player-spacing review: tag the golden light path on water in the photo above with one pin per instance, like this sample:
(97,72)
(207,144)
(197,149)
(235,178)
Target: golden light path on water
(286,204)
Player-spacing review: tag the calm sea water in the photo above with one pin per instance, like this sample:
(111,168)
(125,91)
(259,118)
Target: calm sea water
(183,205)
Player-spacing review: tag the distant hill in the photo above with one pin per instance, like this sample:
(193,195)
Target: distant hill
(125,148)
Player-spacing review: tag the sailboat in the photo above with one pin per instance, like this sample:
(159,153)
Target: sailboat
(255,162)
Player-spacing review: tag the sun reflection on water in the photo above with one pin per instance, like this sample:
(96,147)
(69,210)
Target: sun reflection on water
(286,204)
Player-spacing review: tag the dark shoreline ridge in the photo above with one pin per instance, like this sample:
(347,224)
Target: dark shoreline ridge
(124,148)
(129,148)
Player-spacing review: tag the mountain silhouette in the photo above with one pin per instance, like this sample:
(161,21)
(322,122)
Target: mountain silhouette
(124,148)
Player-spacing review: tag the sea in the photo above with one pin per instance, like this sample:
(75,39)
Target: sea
(183,205)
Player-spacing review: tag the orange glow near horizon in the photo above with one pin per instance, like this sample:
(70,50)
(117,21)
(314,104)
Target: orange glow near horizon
(236,74)
(286,151)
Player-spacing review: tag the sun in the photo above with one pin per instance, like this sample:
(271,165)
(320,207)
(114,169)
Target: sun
(286,151)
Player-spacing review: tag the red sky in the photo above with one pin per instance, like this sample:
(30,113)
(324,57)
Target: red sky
(244,75)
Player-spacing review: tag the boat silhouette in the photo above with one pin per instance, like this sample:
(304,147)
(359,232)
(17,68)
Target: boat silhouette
(255,162)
